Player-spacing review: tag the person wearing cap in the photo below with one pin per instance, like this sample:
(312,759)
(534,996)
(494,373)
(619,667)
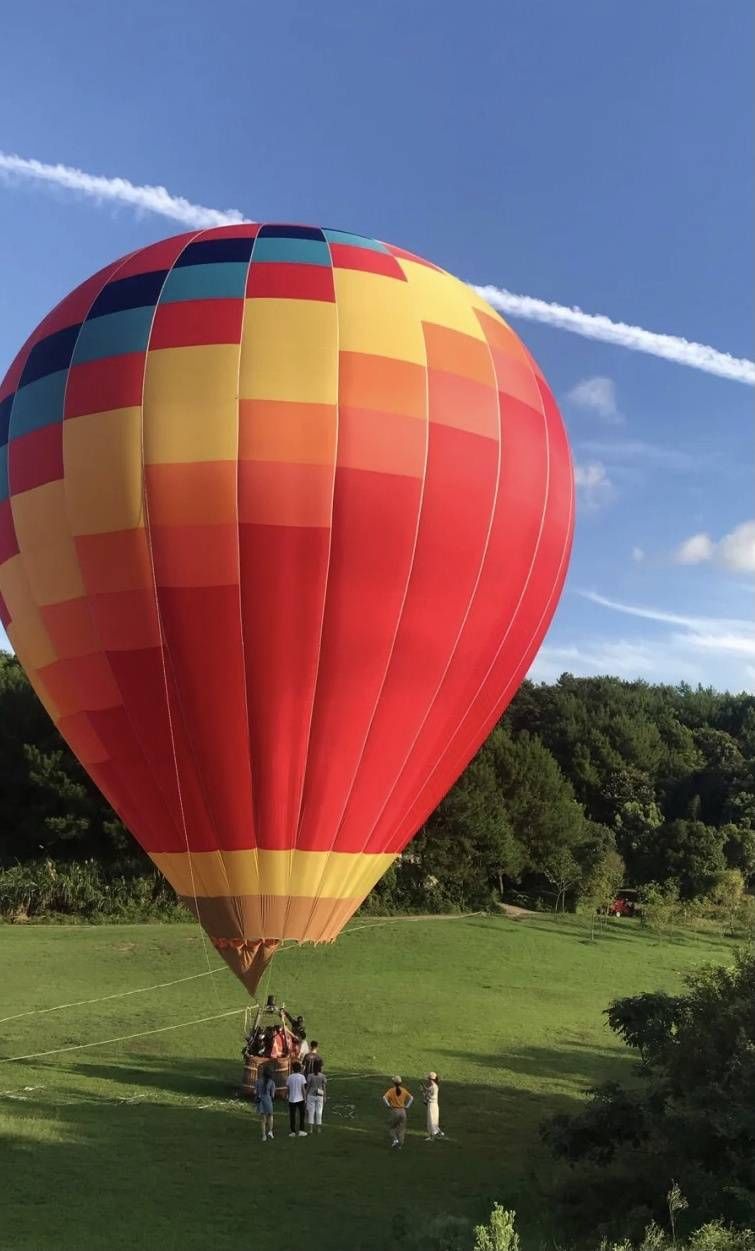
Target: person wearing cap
(430,1093)
(398,1100)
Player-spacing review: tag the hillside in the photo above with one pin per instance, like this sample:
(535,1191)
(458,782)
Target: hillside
(508,1012)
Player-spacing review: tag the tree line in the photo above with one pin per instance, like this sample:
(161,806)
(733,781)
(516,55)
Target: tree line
(593,784)
(585,786)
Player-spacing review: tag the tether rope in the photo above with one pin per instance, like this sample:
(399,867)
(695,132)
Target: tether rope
(141,990)
(56,1051)
(119,994)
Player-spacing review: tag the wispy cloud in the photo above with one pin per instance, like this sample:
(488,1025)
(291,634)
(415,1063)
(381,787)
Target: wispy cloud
(597,326)
(593,484)
(721,634)
(735,551)
(597,395)
(116,191)
(592,326)
(622,658)
(690,649)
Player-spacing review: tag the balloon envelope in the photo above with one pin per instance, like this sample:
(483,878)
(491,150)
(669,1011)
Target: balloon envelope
(284,515)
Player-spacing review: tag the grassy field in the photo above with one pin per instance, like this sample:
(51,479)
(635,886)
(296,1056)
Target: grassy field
(141,1144)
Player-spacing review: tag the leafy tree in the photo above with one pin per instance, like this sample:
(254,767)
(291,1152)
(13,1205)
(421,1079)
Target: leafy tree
(644,1021)
(739,848)
(561,869)
(660,907)
(692,1116)
(686,852)
(663,775)
(601,883)
(722,771)
(727,896)
(468,842)
(539,800)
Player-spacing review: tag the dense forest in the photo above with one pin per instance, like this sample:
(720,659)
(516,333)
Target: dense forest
(585,786)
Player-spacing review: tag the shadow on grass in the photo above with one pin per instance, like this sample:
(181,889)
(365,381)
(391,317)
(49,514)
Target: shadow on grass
(568,926)
(621,929)
(86,1165)
(579,1064)
(218,1079)
(582,1064)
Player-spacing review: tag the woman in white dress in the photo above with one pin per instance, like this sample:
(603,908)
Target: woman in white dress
(430,1096)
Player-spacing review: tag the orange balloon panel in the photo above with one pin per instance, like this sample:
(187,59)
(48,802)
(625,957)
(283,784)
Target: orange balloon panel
(284,516)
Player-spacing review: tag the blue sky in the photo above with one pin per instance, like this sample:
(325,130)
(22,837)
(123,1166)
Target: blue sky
(584,153)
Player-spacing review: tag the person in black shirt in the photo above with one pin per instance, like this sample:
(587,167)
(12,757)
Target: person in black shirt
(312,1055)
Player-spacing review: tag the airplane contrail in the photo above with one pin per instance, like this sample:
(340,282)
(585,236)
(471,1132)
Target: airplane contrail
(117,191)
(597,326)
(589,325)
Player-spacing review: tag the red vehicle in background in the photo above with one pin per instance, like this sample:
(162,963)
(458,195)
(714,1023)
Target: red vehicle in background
(626,904)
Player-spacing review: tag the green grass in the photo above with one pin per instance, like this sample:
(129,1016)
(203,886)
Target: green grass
(141,1144)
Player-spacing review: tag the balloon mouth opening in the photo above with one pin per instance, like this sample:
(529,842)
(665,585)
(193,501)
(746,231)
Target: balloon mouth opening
(248,958)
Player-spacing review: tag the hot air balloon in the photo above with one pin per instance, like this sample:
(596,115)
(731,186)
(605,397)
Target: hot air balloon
(284,516)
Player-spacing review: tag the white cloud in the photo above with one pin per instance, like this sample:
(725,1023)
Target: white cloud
(589,325)
(593,484)
(117,190)
(735,551)
(597,326)
(597,395)
(694,550)
(638,555)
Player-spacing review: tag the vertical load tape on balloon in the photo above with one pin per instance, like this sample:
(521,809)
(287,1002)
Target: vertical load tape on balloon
(285,513)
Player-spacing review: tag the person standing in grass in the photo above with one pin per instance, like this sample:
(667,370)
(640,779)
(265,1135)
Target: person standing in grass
(316,1087)
(264,1093)
(430,1098)
(296,1084)
(398,1100)
(313,1054)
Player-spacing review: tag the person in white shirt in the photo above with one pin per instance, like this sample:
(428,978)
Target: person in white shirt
(296,1084)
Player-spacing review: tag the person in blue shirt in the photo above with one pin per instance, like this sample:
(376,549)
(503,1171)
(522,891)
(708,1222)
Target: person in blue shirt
(264,1094)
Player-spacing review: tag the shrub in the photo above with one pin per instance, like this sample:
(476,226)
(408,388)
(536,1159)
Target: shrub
(43,889)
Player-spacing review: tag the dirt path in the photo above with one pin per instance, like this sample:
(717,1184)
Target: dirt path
(515,913)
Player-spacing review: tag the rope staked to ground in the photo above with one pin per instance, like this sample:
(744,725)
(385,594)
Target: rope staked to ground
(104,1042)
(56,1051)
(118,994)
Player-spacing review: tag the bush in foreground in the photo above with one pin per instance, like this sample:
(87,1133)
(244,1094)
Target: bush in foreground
(692,1115)
(500,1234)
